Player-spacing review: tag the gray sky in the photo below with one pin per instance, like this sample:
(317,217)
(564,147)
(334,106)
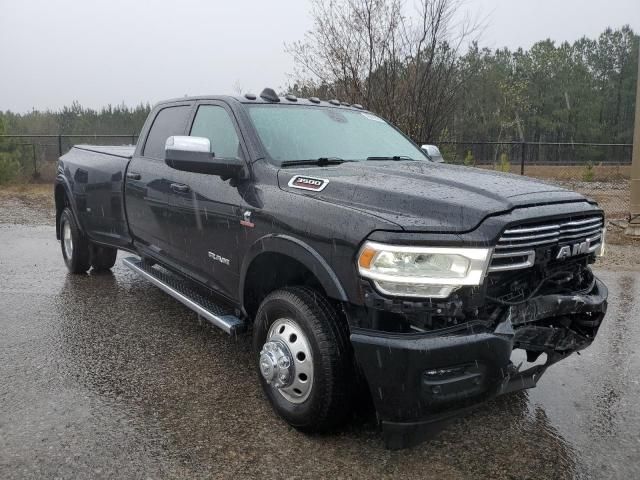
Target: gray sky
(113,51)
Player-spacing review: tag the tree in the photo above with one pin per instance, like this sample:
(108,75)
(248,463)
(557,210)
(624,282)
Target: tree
(370,52)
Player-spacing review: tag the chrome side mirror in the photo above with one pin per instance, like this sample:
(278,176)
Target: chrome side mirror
(187,147)
(433,153)
(193,154)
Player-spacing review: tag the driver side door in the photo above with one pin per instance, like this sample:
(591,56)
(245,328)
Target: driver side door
(209,209)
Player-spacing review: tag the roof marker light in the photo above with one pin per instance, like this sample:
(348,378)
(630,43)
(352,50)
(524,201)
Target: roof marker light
(269,95)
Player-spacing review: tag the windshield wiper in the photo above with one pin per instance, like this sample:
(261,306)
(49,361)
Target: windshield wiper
(394,157)
(322,161)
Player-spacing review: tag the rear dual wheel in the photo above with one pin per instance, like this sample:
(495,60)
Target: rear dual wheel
(304,359)
(78,252)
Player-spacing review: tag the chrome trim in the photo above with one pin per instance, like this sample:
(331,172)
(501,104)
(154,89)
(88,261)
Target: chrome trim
(558,232)
(530,244)
(583,222)
(530,229)
(593,247)
(531,258)
(529,237)
(228,323)
(580,229)
(580,235)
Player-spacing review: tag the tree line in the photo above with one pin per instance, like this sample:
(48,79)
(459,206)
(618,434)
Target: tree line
(77,120)
(426,72)
(20,157)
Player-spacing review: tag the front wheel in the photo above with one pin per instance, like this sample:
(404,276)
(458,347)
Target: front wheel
(304,359)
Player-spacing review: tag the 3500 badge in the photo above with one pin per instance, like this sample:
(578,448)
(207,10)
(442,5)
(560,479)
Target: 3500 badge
(308,183)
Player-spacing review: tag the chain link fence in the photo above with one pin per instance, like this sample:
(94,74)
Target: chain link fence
(36,155)
(598,170)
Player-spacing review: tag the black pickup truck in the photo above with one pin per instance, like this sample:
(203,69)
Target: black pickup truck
(359,265)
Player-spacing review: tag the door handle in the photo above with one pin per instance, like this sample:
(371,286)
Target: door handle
(180,188)
(134,176)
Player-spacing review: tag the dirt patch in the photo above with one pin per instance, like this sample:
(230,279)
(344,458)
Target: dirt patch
(613,197)
(622,253)
(27,204)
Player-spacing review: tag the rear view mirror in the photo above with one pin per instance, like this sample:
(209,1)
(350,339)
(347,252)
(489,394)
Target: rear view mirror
(433,153)
(193,154)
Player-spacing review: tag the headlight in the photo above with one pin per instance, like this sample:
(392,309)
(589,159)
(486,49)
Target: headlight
(422,271)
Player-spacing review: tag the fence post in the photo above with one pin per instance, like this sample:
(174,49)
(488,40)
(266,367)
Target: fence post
(59,145)
(35,162)
(522,155)
(133,139)
(633,230)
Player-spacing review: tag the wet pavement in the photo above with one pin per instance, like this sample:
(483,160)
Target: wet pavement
(105,376)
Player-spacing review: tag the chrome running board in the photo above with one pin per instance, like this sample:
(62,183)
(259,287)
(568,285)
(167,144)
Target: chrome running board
(185,292)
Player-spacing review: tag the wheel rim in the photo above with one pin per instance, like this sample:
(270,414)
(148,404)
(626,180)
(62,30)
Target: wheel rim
(286,362)
(67,240)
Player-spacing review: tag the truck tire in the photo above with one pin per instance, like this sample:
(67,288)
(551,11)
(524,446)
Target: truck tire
(103,258)
(304,358)
(75,246)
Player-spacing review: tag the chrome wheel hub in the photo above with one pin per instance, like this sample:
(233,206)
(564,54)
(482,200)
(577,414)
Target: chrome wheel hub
(286,362)
(275,364)
(67,240)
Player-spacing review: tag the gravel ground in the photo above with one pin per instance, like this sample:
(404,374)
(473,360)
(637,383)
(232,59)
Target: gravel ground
(105,376)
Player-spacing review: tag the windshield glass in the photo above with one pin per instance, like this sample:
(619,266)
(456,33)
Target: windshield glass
(297,132)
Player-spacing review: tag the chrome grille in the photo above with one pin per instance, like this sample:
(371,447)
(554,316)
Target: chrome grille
(516,247)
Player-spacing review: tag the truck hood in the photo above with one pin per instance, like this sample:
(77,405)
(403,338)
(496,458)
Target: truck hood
(425,196)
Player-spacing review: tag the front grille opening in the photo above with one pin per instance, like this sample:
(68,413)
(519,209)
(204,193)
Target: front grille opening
(569,277)
(516,248)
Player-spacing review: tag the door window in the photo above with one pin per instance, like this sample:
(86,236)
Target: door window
(213,122)
(168,122)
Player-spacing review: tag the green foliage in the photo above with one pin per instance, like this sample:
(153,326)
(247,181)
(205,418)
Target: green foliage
(468,159)
(583,91)
(448,150)
(589,172)
(76,119)
(9,168)
(504,165)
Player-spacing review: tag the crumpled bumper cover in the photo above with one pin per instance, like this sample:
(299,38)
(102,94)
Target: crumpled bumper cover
(418,381)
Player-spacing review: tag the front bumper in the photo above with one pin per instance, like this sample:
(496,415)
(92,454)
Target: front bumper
(418,381)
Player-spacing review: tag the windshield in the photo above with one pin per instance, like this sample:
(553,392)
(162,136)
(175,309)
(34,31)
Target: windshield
(297,132)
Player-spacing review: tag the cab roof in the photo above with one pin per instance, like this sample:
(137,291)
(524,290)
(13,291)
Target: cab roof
(268,96)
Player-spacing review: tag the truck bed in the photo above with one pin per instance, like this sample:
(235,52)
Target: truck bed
(95,176)
(122,151)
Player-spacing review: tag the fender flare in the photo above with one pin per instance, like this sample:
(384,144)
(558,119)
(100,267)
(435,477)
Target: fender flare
(299,251)
(62,180)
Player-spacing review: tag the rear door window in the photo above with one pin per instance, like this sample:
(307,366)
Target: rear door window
(168,122)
